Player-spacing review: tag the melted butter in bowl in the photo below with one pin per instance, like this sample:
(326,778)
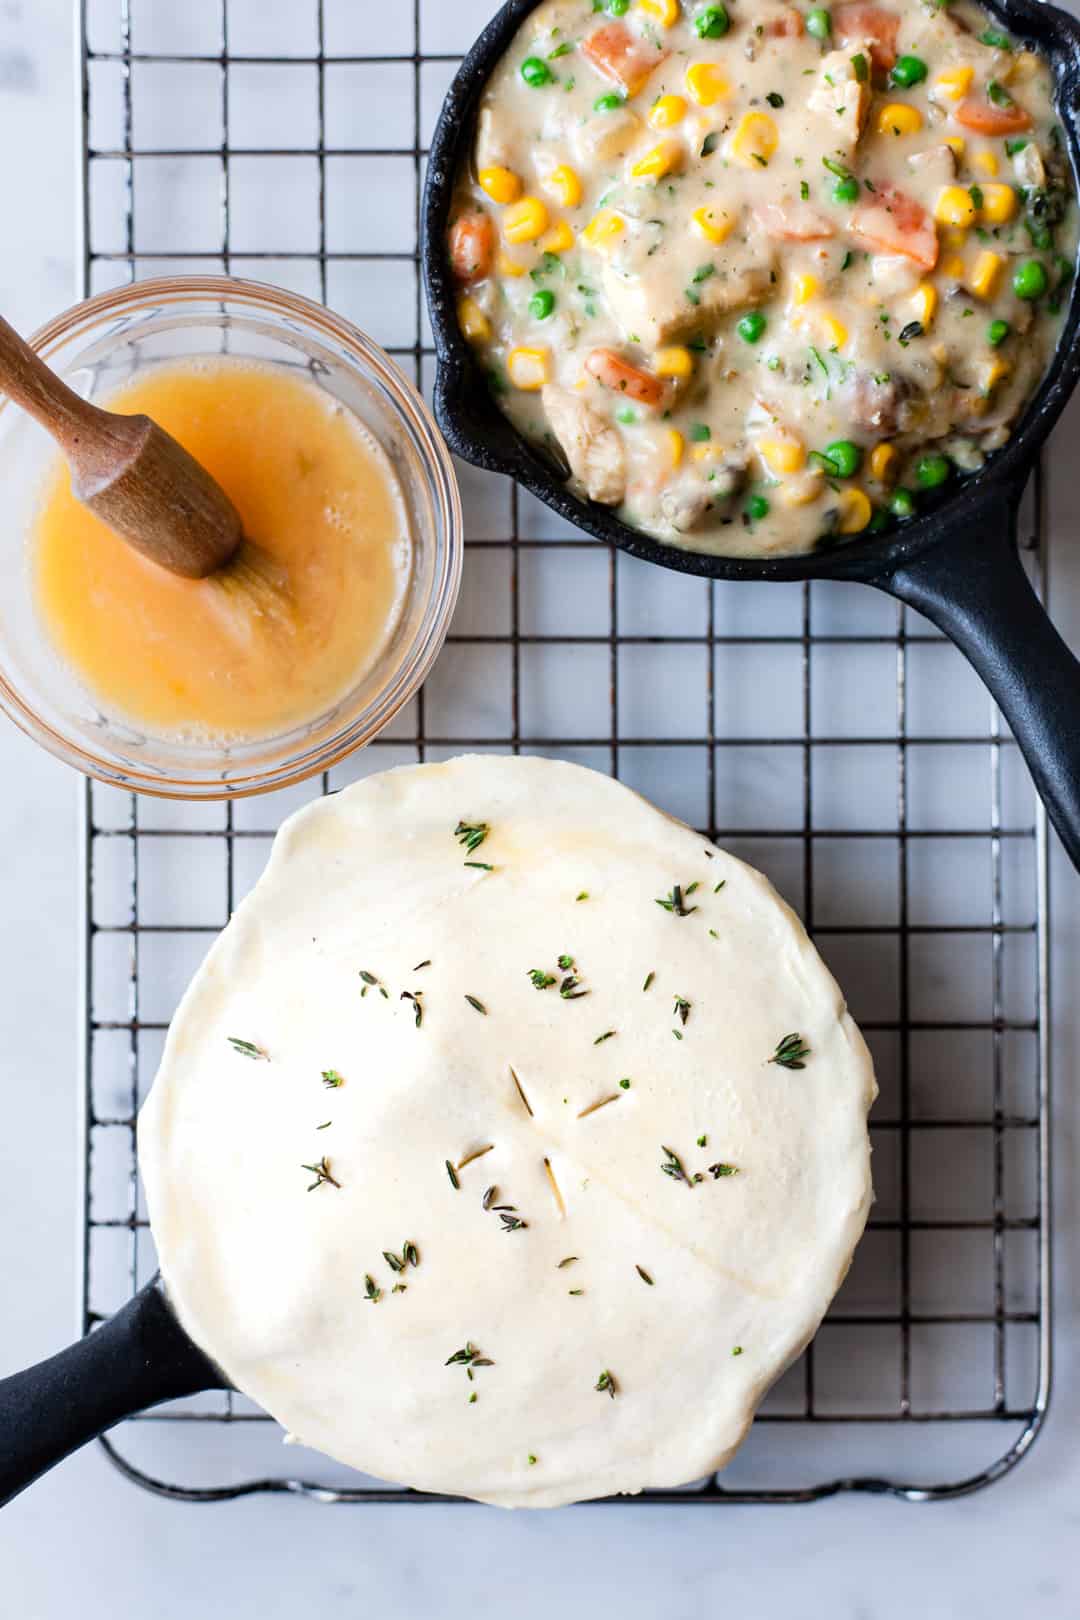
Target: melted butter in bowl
(186,659)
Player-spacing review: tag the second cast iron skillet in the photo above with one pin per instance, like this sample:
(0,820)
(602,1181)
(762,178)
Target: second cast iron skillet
(956,562)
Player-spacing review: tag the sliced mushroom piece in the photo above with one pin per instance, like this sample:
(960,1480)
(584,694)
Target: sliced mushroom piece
(695,499)
(592,446)
(936,165)
(879,403)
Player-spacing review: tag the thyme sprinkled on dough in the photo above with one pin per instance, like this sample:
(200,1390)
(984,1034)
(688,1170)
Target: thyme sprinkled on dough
(584,895)
(322,1174)
(471,837)
(675,901)
(489,1197)
(452,1173)
(532,1459)
(737,1350)
(682,1009)
(566,962)
(570,989)
(674,1167)
(721,885)
(644,1275)
(624,1083)
(414,997)
(791,1053)
(420,965)
(606,1384)
(248,1049)
(332,1080)
(541,980)
(512,1222)
(719,1170)
(324,1127)
(569,1261)
(575,1292)
(371,982)
(479,1005)
(606,1036)
(469,1358)
(480,866)
(703,1141)
(372,1290)
(649,977)
(409,1256)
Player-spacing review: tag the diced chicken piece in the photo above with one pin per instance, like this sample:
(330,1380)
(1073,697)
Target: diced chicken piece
(472,246)
(650,302)
(689,503)
(496,141)
(612,371)
(890,221)
(858,21)
(936,166)
(556,17)
(622,57)
(1029,166)
(792,220)
(987,118)
(593,447)
(605,137)
(892,275)
(841,99)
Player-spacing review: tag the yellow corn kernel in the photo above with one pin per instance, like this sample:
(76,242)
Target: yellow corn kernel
(855,510)
(755,139)
(953,267)
(707,83)
(805,287)
(954,207)
(473,322)
(999,204)
(502,185)
(835,331)
(804,488)
(676,446)
(560,239)
(660,161)
(507,266)
(957,144)
(985,274)
(668,111)
(883,462)
(677,363)
(604,230)
(526,220)
(665,12)
(564,185)
(924,301)
(529,369)
(783,455)
(955,83)
(897,118)
(986,161)
(940,353)
(954,240)
(993,372)
(712,224)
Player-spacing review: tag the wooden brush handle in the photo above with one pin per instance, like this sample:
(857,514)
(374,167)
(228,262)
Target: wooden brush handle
(27,380)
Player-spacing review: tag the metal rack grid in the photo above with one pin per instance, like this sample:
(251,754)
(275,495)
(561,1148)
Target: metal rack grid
(833,739)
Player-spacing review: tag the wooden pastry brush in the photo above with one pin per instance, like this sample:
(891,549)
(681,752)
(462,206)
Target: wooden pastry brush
(146,487)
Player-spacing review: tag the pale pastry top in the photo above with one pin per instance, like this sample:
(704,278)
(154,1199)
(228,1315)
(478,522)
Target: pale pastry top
(672,1211)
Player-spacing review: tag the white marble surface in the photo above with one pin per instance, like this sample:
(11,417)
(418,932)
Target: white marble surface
(83,1541)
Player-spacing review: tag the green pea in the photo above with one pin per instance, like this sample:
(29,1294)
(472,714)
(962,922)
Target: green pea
(617,8)
(997,332)
(626,416)
(536,73)
(819,23)
(609,103)
(757,507)
(700,433)
(712,23)
(846,190)
(541,304)
(845,456)
(1030,280)
(752,326)
(909,70)
(902,504)
(933,471)
(878,522)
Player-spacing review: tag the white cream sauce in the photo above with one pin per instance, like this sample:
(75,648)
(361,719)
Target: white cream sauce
(694,264)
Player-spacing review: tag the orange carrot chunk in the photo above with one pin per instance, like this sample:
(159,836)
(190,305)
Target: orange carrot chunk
(788,26)
(792,221)
(613,372)
(857,21)
(890,221)
(621,58)
(989,119)
(472,246)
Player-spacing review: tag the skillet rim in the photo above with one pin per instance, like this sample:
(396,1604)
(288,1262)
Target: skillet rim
(480,434)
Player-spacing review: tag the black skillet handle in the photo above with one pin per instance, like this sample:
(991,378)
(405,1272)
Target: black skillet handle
(974,587)
(137,1359)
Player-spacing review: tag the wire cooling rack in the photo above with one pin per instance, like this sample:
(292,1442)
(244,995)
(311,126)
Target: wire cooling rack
(819,731)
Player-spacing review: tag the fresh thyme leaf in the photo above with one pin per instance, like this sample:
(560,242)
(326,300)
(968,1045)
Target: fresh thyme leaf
(414,997)
(721,885)
(682,1009)
(791,1052)
(471,837)
(452,1173)
(332,1080)
(489,1197)
(717,1171)
(472,1398)
(480,866)
(649,977)
(674,901)
(248,1049)
(540,979)
(702,1141)
(674,1167)
(532,1459)
(566,963)
(400,1288)
(775,99)
(713,934)
(325,1127)
(624,1084)
(569,1261)
(644,1275)
(570,989)
(606,1036)
(512,1223)
(709,144)
(468,1357)
(704,273)
(913,329)
(584,895)
(677,1034)
(479,1005)
(420,965)
(322,1174)
(368,978)
(737,1350)
(574,1291)
(606,1384)
(372,1289)
(393,1261)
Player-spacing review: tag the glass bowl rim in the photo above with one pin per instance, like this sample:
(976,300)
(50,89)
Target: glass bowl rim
(365,357)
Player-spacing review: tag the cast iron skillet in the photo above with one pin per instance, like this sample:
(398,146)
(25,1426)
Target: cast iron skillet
(956,562)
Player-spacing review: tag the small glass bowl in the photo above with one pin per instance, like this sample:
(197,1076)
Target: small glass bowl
(98,347)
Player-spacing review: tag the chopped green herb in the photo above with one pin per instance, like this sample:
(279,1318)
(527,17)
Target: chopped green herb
(452,1173)
(479,1005)
(682,1010)
(673,1167)
(372,1289)
(468,1357)
(540,979)
(644,1275)
(606,1384)
(674,902)
(606,1036)
(322,1174)
(624,1084)
(649,977)
(471,838)
(717,1171)
(791,1052)
(248,1049)
(414,997)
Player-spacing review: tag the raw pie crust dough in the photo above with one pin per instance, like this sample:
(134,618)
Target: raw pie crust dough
(269,1277)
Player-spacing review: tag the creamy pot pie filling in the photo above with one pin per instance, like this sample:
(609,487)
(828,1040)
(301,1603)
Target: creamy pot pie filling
(760,277)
